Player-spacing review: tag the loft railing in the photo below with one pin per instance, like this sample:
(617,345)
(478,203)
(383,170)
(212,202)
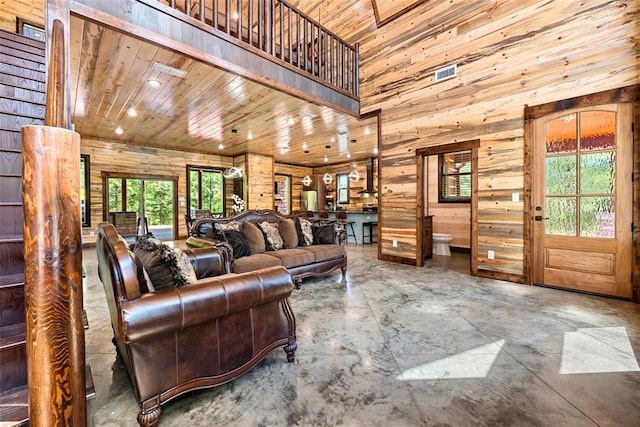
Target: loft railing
(282,31)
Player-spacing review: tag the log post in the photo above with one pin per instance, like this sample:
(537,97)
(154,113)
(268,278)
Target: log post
(53,276)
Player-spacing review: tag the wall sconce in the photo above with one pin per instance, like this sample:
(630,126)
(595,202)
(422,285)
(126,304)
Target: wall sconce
(327,179)
(306,181)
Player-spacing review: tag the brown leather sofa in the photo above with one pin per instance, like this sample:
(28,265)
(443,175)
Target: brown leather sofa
(198,335)
(301,261)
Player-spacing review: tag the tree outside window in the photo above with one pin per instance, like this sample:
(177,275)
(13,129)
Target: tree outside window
(206,189)
(454,178)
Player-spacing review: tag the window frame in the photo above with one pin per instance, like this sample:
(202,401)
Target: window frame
(85,158)
(38,29)
(442,198)
(342,192)
(200,169)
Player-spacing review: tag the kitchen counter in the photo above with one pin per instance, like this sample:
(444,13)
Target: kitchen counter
(358,217)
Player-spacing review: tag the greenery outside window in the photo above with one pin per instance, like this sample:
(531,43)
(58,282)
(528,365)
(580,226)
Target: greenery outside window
(454,177)
(205,189)
(85,204)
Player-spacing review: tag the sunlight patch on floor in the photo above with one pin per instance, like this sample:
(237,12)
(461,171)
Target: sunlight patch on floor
(597,350)
(474,363)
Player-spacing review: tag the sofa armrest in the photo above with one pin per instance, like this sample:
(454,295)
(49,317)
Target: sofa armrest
(174,309)
(210,261)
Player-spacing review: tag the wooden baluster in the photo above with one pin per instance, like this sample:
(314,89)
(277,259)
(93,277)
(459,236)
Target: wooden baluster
(239,23)
(272,26)
(261,24)
(201,11)
(227,17)
(187,7)
(281,16)
(53,249)
(250,22)
(356,72)
(298,38)
(215,14)
(289,36)
(306,43)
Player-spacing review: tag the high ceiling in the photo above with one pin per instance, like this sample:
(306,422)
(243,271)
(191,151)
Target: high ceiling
(208,111)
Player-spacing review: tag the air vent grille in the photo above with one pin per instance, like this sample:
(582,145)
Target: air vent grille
(446,73)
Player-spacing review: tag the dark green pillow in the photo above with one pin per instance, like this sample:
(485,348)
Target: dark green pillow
(324,234)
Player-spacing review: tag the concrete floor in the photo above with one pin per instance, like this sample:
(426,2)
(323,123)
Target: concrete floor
(395,345)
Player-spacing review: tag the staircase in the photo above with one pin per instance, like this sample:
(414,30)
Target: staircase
(22,102)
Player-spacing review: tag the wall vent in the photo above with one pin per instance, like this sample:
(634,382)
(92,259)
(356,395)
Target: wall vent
(446,72)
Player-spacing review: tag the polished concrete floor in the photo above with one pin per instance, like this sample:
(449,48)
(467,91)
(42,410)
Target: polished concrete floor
(395,345)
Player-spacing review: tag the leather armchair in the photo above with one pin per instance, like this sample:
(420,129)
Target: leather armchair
(198,335)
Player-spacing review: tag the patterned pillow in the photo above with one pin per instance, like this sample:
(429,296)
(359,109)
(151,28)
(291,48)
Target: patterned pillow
(165,266)
(305,232)
(272,236)
(224,226)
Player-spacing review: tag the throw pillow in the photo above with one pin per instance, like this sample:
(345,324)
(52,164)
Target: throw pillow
(165,266)
(324,234)
(219,228)
(254,237)
(305,232)
(238,243)
(272,235)
(289,233)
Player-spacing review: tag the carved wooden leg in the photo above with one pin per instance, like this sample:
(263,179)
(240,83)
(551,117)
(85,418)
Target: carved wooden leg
(290,349)
(344,271)
(297,283)
(150,417)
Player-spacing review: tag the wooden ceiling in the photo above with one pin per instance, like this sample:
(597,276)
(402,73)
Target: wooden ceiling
(109,77)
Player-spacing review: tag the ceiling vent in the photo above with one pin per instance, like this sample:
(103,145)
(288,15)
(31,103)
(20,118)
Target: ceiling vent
(446,72)
(162,68)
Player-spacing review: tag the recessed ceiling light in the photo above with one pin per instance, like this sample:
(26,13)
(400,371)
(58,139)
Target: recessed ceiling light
(375,150)
(305,146)
(367,131)
(326,159)
(220,147)
(249,135)
(132,113)
(348,155)
(292,122)
(332,139)
(235,16)
(119,131)
(153,83)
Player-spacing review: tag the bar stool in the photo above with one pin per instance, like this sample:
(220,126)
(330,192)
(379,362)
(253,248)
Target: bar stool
(370,225)
(323,218)
(341,220)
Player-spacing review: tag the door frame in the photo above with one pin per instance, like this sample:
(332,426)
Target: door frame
(629,94)
(421,154)
(110,174)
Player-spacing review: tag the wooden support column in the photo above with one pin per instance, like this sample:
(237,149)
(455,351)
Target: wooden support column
(53,247)
(53,276)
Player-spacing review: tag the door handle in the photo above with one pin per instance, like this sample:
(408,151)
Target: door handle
(540,217)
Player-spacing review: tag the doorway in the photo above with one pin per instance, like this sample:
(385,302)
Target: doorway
(582,200)
(462,177)
(152,200)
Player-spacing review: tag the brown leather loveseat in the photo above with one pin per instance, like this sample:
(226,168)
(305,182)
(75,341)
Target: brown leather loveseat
(194,336)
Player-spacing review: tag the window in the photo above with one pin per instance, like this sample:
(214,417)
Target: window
(282,194)
(342,184)
(454,179)
(29,29)
(205,189)
(85,191)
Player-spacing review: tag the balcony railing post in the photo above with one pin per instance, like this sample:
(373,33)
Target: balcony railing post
(356,73)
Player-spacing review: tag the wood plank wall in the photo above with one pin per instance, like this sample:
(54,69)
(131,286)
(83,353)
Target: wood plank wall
(450,218)
(29,10)
(259,181)
(509,53)
(106,156)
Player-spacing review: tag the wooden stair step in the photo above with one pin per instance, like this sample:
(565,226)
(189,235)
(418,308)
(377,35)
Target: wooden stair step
(14,403)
